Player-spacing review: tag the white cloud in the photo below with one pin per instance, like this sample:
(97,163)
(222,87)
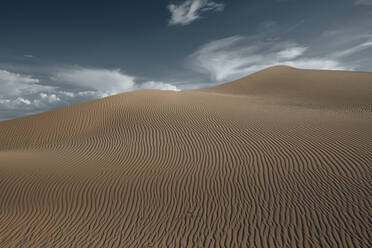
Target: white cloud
(222,58)
(19,94)
(158,86)
(292,52)
(103,82)
(24,101)
(238,56)
(51,98)
(15,84)
(23,94)
(191,10)
(106,81)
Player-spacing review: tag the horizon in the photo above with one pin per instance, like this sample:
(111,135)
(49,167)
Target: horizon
(179,90)
(57,54)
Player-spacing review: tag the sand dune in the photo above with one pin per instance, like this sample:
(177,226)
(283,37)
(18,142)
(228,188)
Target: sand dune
(281,158)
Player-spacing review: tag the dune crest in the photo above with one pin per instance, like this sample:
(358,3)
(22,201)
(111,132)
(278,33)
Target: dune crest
(281,158)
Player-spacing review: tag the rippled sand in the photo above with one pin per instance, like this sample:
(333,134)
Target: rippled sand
(281,158)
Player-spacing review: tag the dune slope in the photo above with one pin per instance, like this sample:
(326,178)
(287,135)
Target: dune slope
(281,158)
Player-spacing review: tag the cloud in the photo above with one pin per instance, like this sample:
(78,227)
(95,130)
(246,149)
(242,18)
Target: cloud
(191,10)
(238,56)
(158,86)
(16,84)
(292,52)
(24,94)
(354,49)
(50,98)
(107,82)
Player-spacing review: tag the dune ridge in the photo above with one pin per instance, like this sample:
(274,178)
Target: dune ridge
(281,158)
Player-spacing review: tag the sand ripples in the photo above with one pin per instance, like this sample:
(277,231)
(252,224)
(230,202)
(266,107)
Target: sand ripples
(186,169)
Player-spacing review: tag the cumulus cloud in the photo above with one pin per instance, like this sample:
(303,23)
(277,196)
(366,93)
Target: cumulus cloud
(108,82)
(237,56)
(50,97)
(11,107)
(19,94)
(191,10)
(16,84)
(24,94)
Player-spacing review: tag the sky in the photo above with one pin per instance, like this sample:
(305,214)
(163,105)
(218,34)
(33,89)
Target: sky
(59,53)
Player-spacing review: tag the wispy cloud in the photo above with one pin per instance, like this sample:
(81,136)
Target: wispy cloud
(292,52)
(237,56)
(191,10)
(355,49)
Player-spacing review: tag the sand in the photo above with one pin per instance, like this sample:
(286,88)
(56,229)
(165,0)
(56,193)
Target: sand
(281,158)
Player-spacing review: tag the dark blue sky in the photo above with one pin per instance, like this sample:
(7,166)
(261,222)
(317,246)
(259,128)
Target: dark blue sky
(55,53)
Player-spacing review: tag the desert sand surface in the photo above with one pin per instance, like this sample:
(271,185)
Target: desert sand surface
(281,158)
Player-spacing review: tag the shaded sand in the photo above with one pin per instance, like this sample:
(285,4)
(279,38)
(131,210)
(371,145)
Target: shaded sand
(281,158)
